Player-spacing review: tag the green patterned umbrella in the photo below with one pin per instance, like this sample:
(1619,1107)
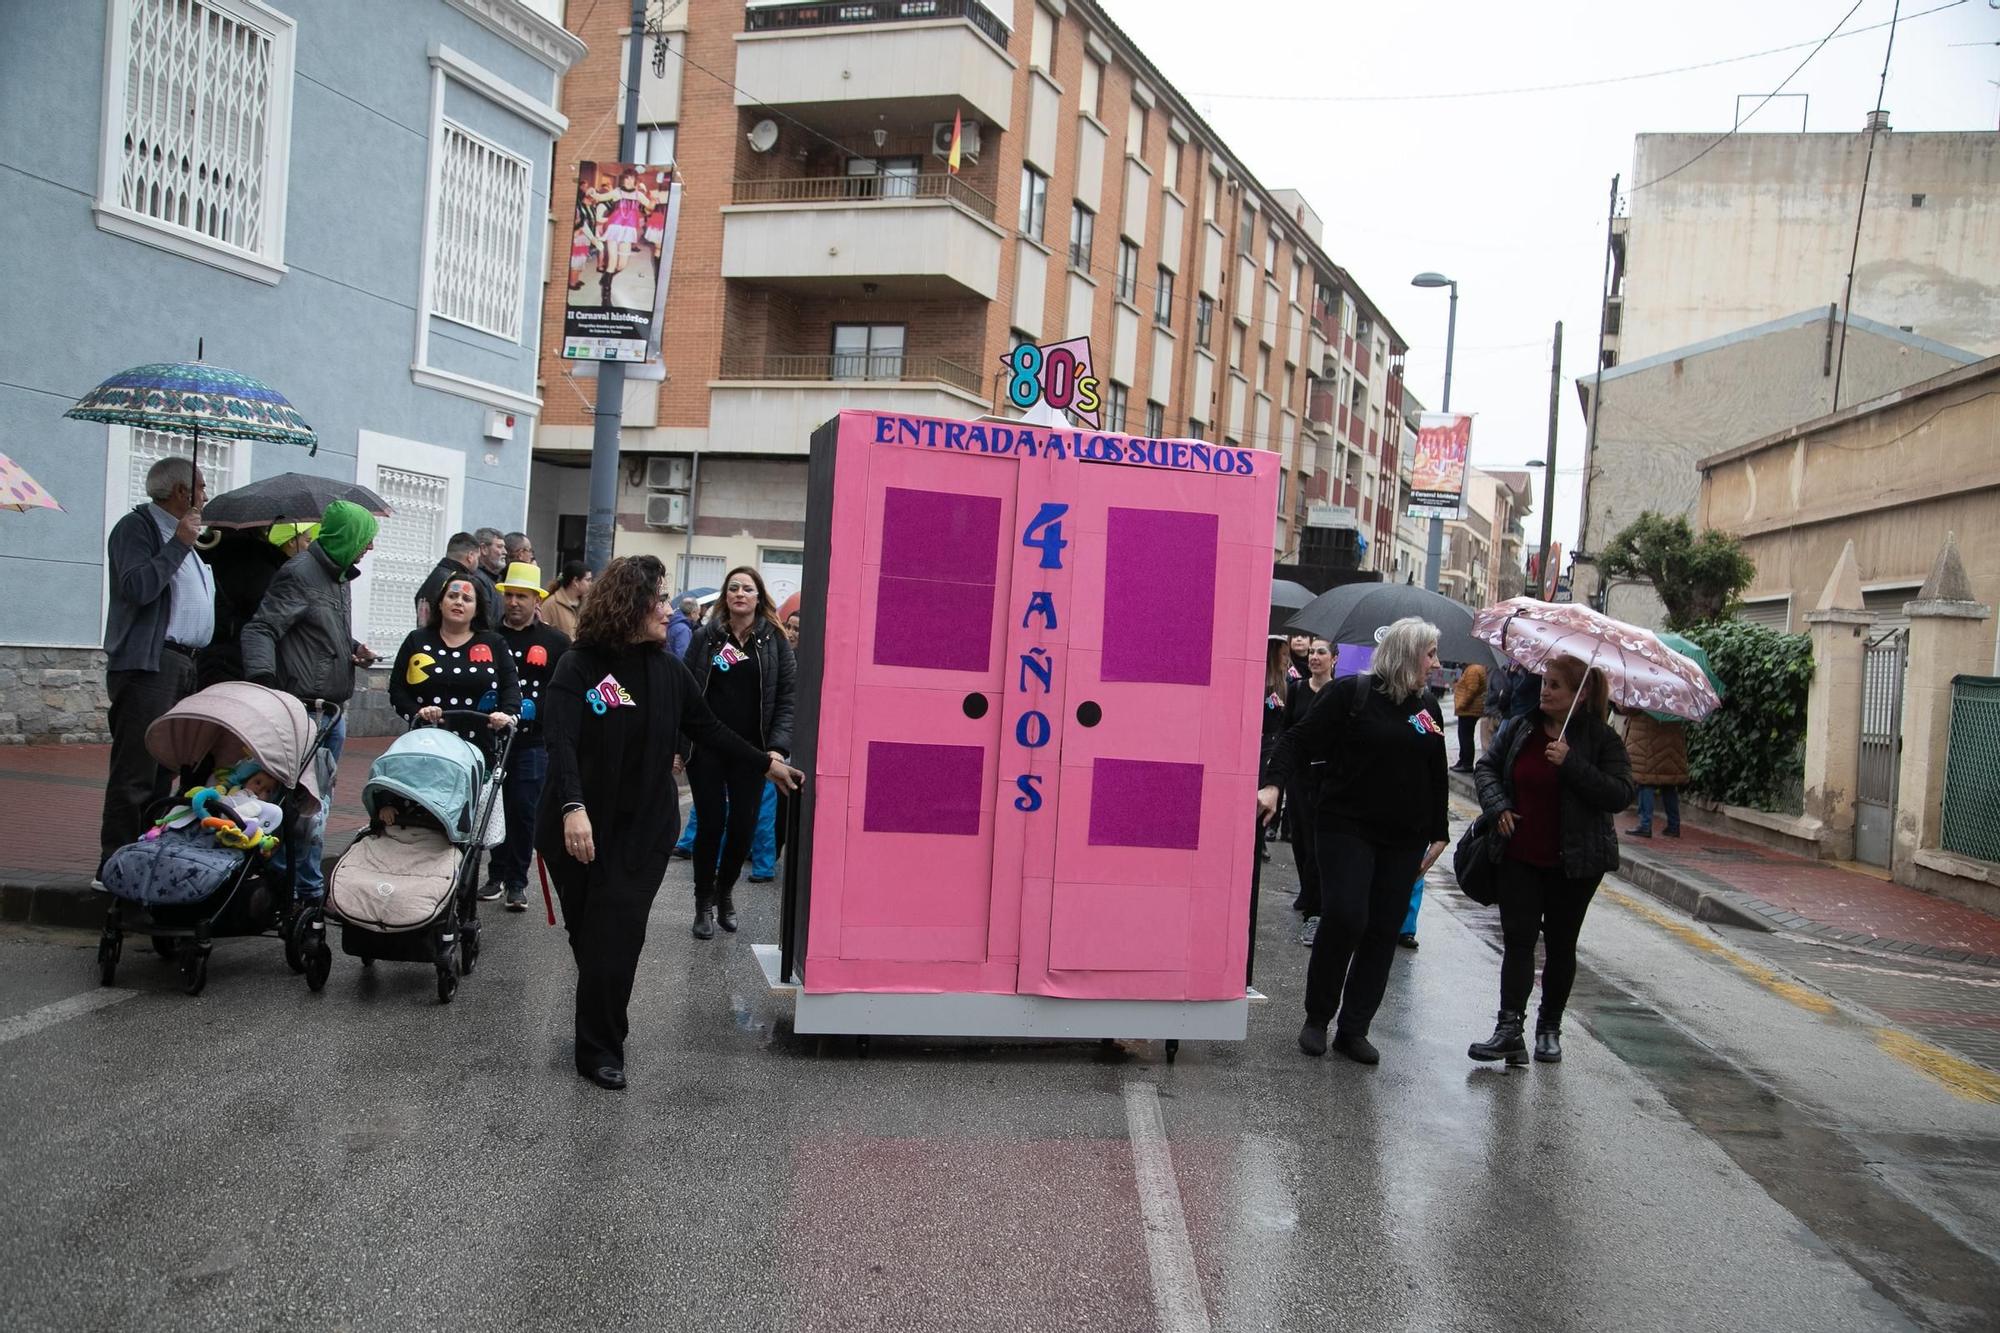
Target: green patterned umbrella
(195,398)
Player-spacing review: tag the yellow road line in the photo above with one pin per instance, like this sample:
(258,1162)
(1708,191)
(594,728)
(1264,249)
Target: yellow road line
(1960,1077)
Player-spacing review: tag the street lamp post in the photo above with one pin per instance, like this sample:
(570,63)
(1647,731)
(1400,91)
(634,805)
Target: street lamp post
(1434,544)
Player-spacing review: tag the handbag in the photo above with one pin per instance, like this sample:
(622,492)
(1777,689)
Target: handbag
(1476,861)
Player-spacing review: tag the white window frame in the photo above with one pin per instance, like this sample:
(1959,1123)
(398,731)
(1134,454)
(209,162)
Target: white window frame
(266,264)
(527,168)
(118,500)
(374,451)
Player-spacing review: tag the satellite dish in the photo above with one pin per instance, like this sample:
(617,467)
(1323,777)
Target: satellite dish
(763,136)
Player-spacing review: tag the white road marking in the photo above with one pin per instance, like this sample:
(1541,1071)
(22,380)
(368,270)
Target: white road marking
(25,1025)
(1177,1299)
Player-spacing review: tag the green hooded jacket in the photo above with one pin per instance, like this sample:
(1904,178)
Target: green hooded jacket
(345,530)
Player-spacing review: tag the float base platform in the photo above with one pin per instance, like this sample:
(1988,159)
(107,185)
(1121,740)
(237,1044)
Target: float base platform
(856,1013)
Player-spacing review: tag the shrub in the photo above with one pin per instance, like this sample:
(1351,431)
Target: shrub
(1697,578)
(1751,751)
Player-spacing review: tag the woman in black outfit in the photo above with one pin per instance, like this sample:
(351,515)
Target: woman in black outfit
(1302,794)
(1552,791)
(613,716)
(458,664)
(744,666)
(1380,823)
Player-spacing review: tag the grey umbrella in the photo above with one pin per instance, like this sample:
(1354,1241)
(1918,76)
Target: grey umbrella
(1353,612)
(289,497)
(1290,595)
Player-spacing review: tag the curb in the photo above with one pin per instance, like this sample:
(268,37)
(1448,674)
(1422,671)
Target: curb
(52,900)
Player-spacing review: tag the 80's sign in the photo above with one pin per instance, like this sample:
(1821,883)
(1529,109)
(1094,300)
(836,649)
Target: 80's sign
(1058,374)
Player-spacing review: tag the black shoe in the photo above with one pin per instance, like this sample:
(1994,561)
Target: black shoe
(1408,941)
(1548,1045)
(517,897)
(725,913)
(1357,1048)
(704,922)
(680,855)
(762,879)
(1636,832)
(1461,768)
(610,1077)
(1505,1043)
(1312,1038)
(1673,832)
(1310,933)
(489,891)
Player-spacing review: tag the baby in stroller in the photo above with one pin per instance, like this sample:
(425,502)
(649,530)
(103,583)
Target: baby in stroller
(250,793)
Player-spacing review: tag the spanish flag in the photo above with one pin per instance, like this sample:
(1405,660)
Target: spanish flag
(957,130)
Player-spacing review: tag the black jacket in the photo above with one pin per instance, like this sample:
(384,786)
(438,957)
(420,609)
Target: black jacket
(299,640)
(777,670)
(1596,784)
(244,562)
(1384,780)
(142,590)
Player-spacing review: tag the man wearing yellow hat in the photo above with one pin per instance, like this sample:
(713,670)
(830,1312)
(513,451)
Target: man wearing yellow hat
(536,647)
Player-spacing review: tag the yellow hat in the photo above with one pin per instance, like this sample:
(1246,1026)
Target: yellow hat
(524,578)
(282,533)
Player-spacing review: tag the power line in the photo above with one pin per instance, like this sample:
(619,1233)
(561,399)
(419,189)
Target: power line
(1553,87)
(1730,133)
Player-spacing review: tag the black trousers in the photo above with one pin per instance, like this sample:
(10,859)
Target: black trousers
(605,915)
(138,698)
(1363,897)
(1300,799)
(722,844)
(1540,903)
(1468,728)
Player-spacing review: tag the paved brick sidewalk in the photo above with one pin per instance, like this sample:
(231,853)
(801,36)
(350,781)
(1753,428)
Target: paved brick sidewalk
(56,794)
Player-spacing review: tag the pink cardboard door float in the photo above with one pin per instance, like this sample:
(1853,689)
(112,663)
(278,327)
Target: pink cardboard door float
(1029,718)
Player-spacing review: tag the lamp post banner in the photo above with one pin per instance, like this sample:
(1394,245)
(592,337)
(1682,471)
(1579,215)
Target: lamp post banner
(621,255)
(1437,476)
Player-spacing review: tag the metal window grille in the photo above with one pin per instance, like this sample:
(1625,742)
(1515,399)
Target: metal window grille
(1971,814)
(216,460)
(701,571)
(407,548)
(480,242)
(199,88)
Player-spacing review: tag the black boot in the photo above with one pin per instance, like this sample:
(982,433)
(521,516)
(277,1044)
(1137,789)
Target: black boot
(1505,1043)
(725,911)
(704,918)
(1548,1040)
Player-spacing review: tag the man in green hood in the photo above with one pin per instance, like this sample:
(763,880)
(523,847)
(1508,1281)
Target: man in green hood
(299,642)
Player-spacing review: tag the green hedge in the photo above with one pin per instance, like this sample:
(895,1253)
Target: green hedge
(1751,751)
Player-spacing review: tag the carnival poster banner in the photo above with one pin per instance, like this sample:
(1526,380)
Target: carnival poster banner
(1437,476)
(621,256)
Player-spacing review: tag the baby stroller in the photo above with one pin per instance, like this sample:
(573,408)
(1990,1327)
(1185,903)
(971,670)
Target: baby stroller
(182,886)
(406,890)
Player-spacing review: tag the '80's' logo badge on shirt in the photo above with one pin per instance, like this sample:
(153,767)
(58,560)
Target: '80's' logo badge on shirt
(1425,724)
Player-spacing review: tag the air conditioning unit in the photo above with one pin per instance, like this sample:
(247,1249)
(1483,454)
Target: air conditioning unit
(666,510)
(968,141)
(666,474)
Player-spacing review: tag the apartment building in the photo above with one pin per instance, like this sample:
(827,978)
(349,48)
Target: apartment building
(827,259)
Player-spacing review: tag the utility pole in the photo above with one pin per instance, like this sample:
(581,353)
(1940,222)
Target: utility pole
(1597,373)
(601,530)
(1546,582)
(1434,540)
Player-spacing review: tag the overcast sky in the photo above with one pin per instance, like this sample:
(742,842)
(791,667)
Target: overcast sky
(1507,194)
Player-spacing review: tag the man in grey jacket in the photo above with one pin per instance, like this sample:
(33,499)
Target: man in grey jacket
(299,642)
(162,611)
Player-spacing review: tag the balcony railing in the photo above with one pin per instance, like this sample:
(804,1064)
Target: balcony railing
(1319,407)
(857,366)
(1361,358)
(848,13)
(863,190)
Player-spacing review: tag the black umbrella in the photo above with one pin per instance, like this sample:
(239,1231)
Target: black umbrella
(1353,612)
(289,497)
(1290,595)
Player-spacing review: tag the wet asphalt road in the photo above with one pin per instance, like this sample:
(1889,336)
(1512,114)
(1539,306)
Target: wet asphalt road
(1715,1153)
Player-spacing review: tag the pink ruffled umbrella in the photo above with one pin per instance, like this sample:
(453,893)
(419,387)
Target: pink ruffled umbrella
(1642,671)
(21,492)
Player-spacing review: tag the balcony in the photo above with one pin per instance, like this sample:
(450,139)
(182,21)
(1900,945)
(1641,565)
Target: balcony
(1319,410)
(1356,430)
(772,404)
(840,66)
(910,236)
(1362,357)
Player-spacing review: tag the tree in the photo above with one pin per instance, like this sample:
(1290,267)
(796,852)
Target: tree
(1697,578)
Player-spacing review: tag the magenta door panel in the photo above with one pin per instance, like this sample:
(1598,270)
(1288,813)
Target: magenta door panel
(903,862)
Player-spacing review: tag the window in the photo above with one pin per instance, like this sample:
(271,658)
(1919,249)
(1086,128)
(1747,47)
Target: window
(1093,85)
(1116,420)
(1211,188)
(701,571)
(406,547)
(1271,251)
(195,150)
(883,178)
(1173,164)
(1042,49)
(1082,232)
(1291,384)
(1156,420)
(1135,130)
(1246,237)
(1163,297)
(1283,477)
(867,351)
(1197,429)
(783,569)
(654,146)
(1127,287)
(1263,367)
(1034,202)
(216,461)
(1298,280)
(1357,401)
(479,242)
(1236,347)
(1204,318)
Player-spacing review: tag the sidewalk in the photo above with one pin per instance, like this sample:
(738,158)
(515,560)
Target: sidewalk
(56,795)
(1723,879)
